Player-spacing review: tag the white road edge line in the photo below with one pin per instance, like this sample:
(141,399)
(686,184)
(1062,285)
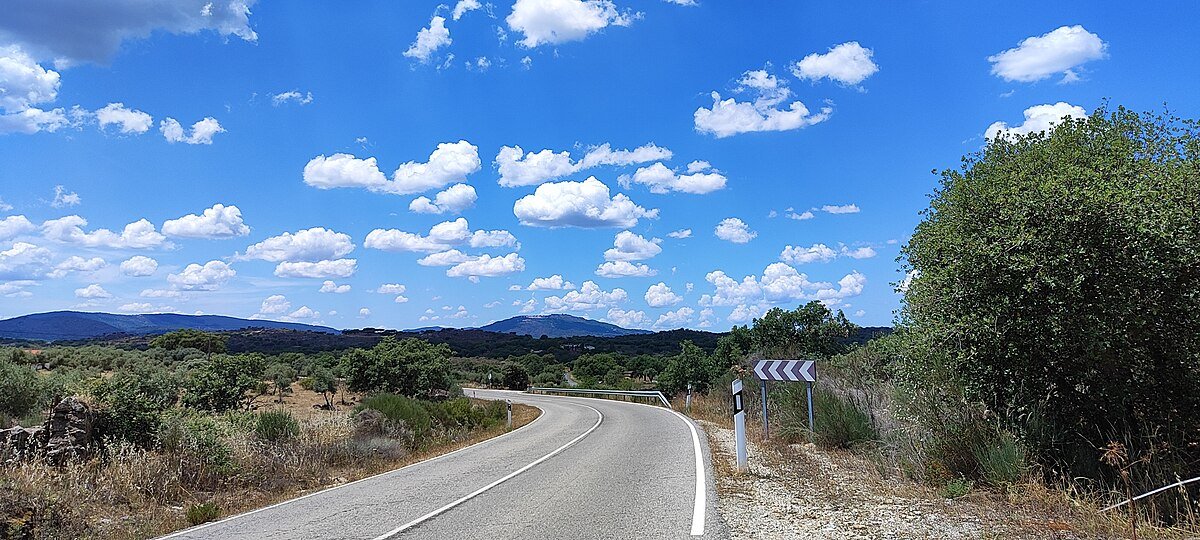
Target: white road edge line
(701,483)
(190,530)
(476,493)
(698,508)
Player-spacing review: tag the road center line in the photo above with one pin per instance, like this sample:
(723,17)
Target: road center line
(476,493)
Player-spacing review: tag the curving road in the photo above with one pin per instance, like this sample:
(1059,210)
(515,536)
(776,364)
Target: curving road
(586,468)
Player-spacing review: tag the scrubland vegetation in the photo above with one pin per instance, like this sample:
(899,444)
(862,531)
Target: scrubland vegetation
(183,433)
(1049,334)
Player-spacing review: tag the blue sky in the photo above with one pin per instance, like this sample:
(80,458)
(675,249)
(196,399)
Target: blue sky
(259,119)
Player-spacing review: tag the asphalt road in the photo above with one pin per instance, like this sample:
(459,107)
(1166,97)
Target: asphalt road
(586,468)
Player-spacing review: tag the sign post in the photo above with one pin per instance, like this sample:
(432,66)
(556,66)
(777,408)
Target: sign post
(739,424)
(788,371)
(766,429)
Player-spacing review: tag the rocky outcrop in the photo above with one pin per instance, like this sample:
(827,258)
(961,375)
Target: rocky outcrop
(66,435)
(69,431)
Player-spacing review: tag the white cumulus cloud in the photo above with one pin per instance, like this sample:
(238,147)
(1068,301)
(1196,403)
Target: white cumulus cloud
(1038,118)
(533,168)
(589,297)
(207,277)
(331,287)
(734,230)
(202,131)
(430,39)
(340,268)
(453,200)
(628,246)
(220,221)
(139,266)
(586,204)
(92,291)
(848,64)
(1061,51)
(449,163)
(127,120)
(700,179)
(315,244)
(661,295)
(620,269)
(69,230)
(550,22)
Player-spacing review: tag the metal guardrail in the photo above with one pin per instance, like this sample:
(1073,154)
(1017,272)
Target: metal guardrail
(587,391)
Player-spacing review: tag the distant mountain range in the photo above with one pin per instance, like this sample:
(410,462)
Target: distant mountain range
(557,326)
(76,325)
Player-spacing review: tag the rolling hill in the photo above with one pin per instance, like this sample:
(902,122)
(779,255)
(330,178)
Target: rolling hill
(76,325)
(558,325)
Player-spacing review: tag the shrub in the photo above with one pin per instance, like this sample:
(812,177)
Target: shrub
(1054,288)
(401,409)
(19,389)
(839,422)
(1002,462)
(957,488)
(276,426)
(199,441)
(222,382)
(409,367)
(134,404)
(202,513)
(515,376)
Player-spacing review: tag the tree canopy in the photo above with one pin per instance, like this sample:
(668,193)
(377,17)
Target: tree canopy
(1056,278)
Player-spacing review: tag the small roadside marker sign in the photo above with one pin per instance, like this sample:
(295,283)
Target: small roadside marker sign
(786,370)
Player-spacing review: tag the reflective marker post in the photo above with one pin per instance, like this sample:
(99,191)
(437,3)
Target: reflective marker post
(739,424)
(687,404)
(766,431)
(509,401)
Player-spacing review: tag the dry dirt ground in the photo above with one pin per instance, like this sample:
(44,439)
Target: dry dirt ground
(799,491)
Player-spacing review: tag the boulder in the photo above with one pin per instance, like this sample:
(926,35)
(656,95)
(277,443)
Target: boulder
(18,443)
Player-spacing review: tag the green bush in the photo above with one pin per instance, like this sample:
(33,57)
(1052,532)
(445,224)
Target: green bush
(202,513)
(20,390)
(401,409)
(1054,288)
(1002,462)
(134,403)
(276,426)
(199,441)
(839,422)
(409,367)
(957,488)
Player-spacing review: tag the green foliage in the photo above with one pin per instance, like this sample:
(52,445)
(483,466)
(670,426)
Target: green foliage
(202,513)
(222,382)
(410,367)
(1002,462)
(281,376)
(134,403)
(323,382)
(20,390)
(596,366)
(957,488)
(199,440)
(515,376)
(839,422)
(401,409)
(809,331)
(205,342)
(1056,287)
(692,366)
(276,426)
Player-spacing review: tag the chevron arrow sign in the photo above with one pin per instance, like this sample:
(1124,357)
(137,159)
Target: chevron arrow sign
(786,370)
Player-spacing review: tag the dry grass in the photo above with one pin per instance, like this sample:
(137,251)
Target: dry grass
(862,478)
(135,493)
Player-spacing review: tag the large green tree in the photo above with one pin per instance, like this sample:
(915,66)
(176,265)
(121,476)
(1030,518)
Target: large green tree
(207,342)
(410,367)
(811,330)
(1055,281)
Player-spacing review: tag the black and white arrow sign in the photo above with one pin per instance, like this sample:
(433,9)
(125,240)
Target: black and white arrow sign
(786,370)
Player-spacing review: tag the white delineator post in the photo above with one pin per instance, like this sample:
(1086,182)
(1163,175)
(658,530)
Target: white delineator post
(739,424)
(509,424)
